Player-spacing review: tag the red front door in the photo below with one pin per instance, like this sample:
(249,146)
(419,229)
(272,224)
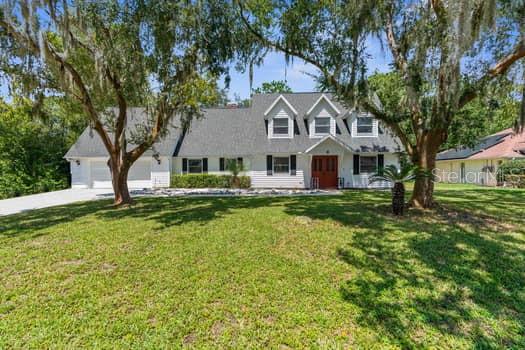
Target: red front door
(325,169)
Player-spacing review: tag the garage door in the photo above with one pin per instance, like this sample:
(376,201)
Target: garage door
(139,175)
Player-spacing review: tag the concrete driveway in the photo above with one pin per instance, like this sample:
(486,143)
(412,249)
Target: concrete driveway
(50,199)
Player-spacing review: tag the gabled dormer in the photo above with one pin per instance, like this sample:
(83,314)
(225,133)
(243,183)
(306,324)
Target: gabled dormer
(321,118)
(280,115)
(364,125)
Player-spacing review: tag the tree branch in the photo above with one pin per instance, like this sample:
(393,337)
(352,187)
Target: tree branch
(499,68)
(369,106)
(276,45)
(402,65)
(84,97)
(122,114)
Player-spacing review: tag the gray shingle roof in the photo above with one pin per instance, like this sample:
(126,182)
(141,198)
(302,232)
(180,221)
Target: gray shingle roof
(89,143)
(242,131)
(465,152)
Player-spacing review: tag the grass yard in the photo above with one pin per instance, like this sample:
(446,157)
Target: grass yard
(296,272)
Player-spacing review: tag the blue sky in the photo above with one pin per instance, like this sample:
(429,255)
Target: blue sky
(274,68)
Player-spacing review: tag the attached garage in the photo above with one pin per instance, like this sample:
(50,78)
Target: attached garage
(139,175)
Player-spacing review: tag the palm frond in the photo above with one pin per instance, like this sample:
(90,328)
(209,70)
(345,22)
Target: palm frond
(392,174)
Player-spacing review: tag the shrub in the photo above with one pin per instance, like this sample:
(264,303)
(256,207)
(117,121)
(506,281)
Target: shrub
(244,182)
(513,167)
(515,180)
(207,181)
(513,172)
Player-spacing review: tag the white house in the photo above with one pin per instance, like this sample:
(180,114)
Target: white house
(479,164)
(292,140)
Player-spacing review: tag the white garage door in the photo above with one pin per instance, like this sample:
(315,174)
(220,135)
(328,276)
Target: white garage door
(139,175)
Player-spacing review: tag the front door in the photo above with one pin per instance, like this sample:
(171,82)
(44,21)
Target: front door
(324,168)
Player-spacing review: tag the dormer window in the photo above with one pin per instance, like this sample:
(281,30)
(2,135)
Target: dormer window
(280,116)
(365,125)
(322,125)
(321,118)
(281,126)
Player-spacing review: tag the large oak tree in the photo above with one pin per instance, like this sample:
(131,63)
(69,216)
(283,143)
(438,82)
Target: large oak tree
(110,55)
(444,51)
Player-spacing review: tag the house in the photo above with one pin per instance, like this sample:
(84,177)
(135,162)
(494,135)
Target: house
(290,140)
(479,164)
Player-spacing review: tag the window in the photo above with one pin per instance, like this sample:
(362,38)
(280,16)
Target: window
(194,166)
(280,126)
(367,164)
(322,125)
(281,165)
(364,125)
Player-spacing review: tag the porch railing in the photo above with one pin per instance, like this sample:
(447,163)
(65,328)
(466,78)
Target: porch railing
(314,183)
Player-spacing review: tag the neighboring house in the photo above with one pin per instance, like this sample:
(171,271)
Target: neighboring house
(293,140)
(479,164)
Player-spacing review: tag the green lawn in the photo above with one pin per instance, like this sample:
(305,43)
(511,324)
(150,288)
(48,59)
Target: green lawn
(294,272)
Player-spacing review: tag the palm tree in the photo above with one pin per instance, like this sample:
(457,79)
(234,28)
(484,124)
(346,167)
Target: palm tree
(235,167)
(397,177)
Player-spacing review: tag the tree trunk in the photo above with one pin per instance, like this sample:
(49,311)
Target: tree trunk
(398,198)
(425,158)
(119,179)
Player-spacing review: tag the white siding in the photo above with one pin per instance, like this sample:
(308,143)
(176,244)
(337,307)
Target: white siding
(281,110)
(213,164)
(256,169)
(363,180)
(260,178)
(79,173)
(176,165)
(450,171)
(321,110)
(160,173)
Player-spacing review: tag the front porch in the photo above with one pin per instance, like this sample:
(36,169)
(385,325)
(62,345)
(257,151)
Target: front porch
(334,164)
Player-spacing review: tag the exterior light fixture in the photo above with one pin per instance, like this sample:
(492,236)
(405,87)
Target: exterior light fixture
(157,158)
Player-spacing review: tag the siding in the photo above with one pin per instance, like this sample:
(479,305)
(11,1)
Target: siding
(321,111)
(79,173)
(256,169)
(362,180)
(260,179)
(282,112)
(450,171)
(213,164)
(160,173)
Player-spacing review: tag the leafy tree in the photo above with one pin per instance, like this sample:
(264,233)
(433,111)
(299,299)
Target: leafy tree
(492,111)
(273,86)
(32,150)
(164,55)
(445,53)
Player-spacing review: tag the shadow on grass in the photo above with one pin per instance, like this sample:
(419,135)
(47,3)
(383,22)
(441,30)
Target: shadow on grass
(456,270)
(450,270)
(31,223)
(181,210)
(163,210)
